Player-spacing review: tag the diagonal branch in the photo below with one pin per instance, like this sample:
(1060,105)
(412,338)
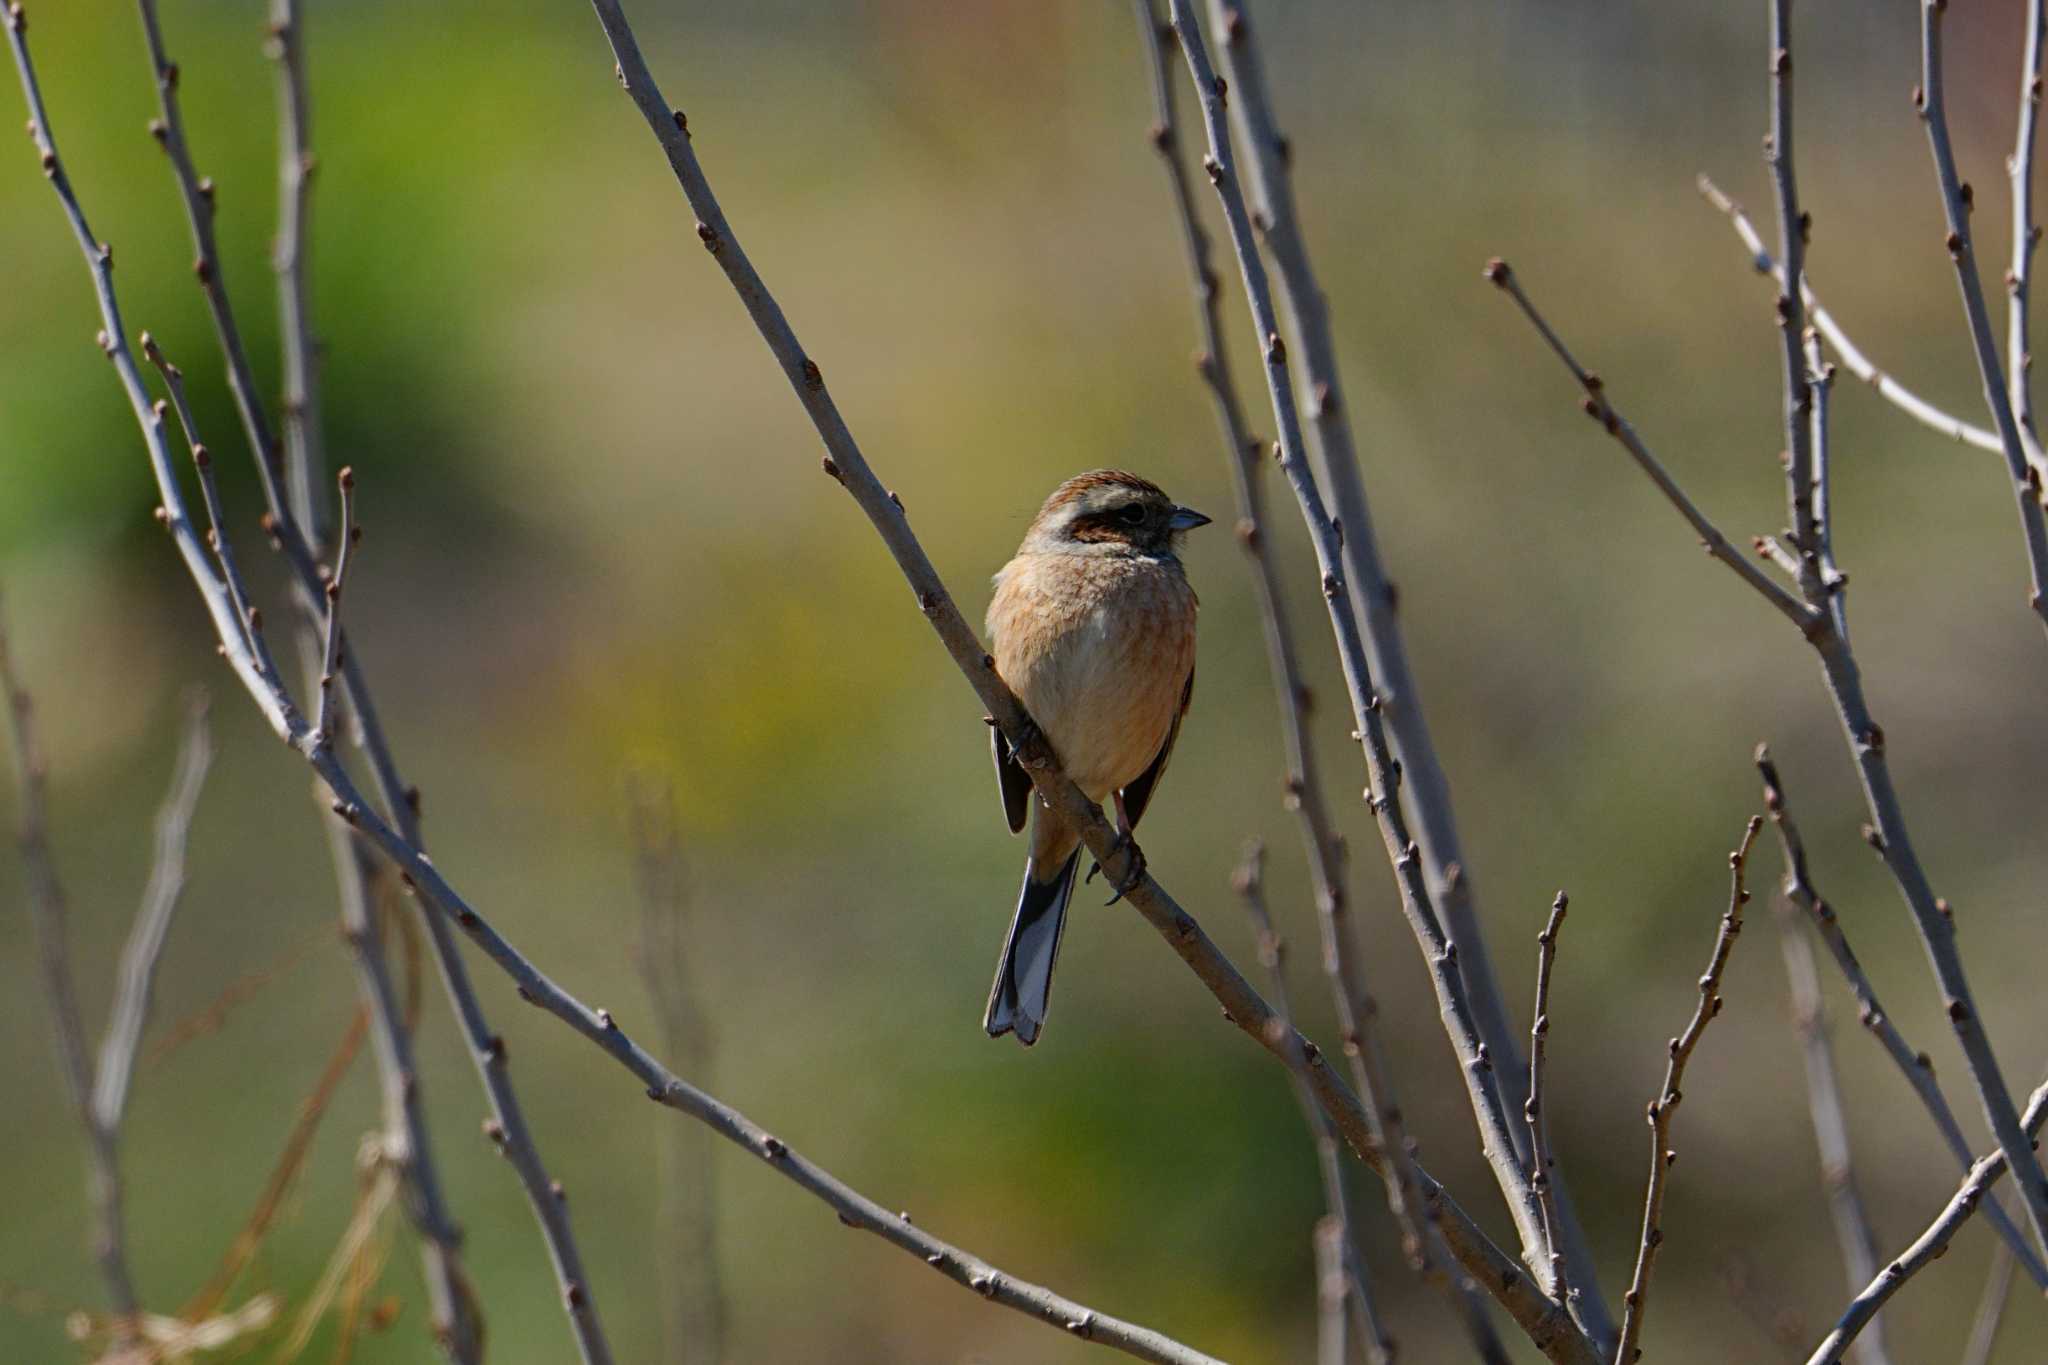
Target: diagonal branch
(289,536)
(1887,832)
(1929,1246)
(1600,410)
(1548,1327)
(145,945)
(1916,1067)
(1666,1104)
(1860,365)
(2013,439)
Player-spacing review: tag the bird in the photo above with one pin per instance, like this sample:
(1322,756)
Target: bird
(1092,625)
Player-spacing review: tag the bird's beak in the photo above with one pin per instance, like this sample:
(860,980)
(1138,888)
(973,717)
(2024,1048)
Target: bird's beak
(1185,519)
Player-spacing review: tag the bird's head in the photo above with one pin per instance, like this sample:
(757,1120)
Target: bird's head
(1110,512)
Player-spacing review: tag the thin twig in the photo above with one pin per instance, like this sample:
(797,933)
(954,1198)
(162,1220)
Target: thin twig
(1600,410)
(2013,439)
(145,945)
(1379,1346)
(1269,162)
(454,1312)
(330,651)
(289,537)
(1496,1140)
(305,463)
(47,910)
(1804,534)
(2026,235)
(1917,1067)
(1824,321)
(246,612)
(1887,832)
(1302,785)
(1668,1098)
(1830,1128)
(1990,1309)
(1929,1245)
(1548,1327)
(1540,1162)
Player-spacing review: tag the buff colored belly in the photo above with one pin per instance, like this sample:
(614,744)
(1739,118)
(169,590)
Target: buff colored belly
(1099,651)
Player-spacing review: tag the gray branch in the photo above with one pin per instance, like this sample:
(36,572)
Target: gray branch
(305,461)
(2025,234)
(308,583)
(100,1092)
(1860,365)
(1929,1245)
(2014,440)
(1819,622)
(1917,1067)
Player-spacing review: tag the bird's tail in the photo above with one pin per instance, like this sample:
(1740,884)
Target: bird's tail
(1017,1001)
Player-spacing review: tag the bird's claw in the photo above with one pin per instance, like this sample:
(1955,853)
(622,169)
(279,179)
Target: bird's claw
(1134,871)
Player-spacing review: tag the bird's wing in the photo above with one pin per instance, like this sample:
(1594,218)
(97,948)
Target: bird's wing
(1138,794)
(1014,781)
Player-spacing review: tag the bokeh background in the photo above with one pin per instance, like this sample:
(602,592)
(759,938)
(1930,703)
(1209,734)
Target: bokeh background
(598,544)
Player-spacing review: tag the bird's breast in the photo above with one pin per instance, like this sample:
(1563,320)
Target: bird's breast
(1099,650)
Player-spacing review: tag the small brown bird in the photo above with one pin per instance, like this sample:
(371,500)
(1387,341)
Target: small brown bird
(1093,627)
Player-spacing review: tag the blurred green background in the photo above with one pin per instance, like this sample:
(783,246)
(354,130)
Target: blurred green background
(598,543)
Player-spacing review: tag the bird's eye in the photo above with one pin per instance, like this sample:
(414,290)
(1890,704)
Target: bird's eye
(1132,515)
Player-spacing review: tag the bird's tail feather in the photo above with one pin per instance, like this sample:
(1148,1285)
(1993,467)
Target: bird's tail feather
(1017,1001)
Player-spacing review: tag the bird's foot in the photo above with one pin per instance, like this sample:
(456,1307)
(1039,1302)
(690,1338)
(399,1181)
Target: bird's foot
(1134,868)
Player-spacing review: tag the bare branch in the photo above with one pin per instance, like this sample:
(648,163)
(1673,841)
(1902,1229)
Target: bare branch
(1917,1067)
(47,910)
(2025,234)
(1860,365)
(288,533)
(1600,410)
(2013,439)
(305,462)
(1379,1346)
(1666,1104)
(1793,225)
(145,945)
(1540,1162)
(1548,1326)
(1929,1246)
(1887,833)
(330,651)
